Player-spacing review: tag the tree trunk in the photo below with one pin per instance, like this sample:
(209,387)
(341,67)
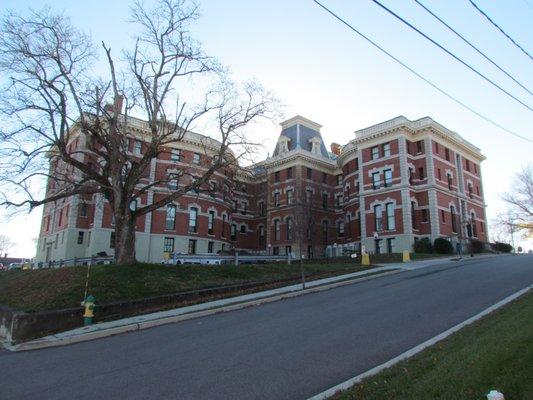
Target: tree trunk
(125,239)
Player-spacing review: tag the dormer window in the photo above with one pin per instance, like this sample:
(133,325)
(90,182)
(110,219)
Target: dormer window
(315,145)
(283,144)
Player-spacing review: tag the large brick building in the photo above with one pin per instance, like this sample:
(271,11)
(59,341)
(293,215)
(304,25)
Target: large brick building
(394,183)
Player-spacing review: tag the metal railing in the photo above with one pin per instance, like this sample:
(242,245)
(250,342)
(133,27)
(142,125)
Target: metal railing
(73,262)
(216,259)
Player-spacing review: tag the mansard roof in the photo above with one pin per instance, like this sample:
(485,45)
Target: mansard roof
(300,132)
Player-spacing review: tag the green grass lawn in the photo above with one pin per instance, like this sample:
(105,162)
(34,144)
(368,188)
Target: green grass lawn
(494,353)
(48,289)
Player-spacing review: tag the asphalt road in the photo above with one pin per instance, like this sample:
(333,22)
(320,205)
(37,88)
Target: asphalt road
(291,349)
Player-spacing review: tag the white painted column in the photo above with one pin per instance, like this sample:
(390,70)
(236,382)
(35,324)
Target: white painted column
(406,198)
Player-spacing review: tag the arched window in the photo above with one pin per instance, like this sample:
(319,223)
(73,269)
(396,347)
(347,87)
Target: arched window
(289,228)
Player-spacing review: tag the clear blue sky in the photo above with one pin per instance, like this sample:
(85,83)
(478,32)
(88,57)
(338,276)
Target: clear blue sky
(321,70)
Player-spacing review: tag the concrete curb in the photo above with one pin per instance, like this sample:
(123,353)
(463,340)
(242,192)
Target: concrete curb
(62,339)
(417,349)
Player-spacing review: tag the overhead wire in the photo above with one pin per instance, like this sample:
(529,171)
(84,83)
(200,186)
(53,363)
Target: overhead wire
(472,46)
(420,76)
(500,29)
(451,54)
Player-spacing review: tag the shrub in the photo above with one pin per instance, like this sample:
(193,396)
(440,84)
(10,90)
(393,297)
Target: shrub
(477,246)
(503,247)
(423,246)
(443,246)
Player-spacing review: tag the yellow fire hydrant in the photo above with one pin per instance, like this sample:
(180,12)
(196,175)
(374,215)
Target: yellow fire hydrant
(89,310)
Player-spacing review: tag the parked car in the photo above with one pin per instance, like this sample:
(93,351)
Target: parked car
(14,266)
(2,268)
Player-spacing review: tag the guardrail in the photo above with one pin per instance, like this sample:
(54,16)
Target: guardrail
(216,259)
(203,259)
(72,262)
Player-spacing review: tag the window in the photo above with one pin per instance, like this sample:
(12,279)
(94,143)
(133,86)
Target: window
(475,168)
(442,216)
(210,222)
(378,243)
(378,220)
(340,228)
(348,224)
(419,147)
(413,215)
(390,245)
(449,176)
(288,250)
(324,200)
(133,205)
(233,232)
(196,160)
(338,200)
(411,173)
(388,177)
(112,240)
(391,222)
(137,147)
(421,173)
(308,196)
(447,154)
(175,154)
(276,176)
(243,228)
(439,176)
(172,184)
(289,173)
(210,246)
(235,205)
(193,219)
(80,237)
(171,217)
(477,190)
(324,177)
(309,173)
(276,229)
(325,231)
(289,228)
(473,223)
(223,225)
(467,162)
(454,222)
(60,218)
(290,197)
(481,226)
(244,208)
(375,152)
(275,250)
(276,199)
(339,180)
(261,208)
(168,245)
(192,246)
(84,210)
(386,150)
(261,235)
(436,148)
(376,180)
(424,215)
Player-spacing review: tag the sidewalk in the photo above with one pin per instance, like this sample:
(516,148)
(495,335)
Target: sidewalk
(412,265)
(110,328)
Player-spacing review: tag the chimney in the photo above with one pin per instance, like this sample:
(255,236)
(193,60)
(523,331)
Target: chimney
(336,148)
(116,106)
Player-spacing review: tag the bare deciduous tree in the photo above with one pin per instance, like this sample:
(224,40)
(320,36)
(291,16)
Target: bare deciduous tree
(5,245)
(520,203)
(52,95)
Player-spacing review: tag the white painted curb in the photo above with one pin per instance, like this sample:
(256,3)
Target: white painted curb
(54,341)
(417,349)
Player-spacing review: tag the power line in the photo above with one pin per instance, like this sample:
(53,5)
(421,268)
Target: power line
(500,29)
(451,54)
(419,75)
(471,45)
